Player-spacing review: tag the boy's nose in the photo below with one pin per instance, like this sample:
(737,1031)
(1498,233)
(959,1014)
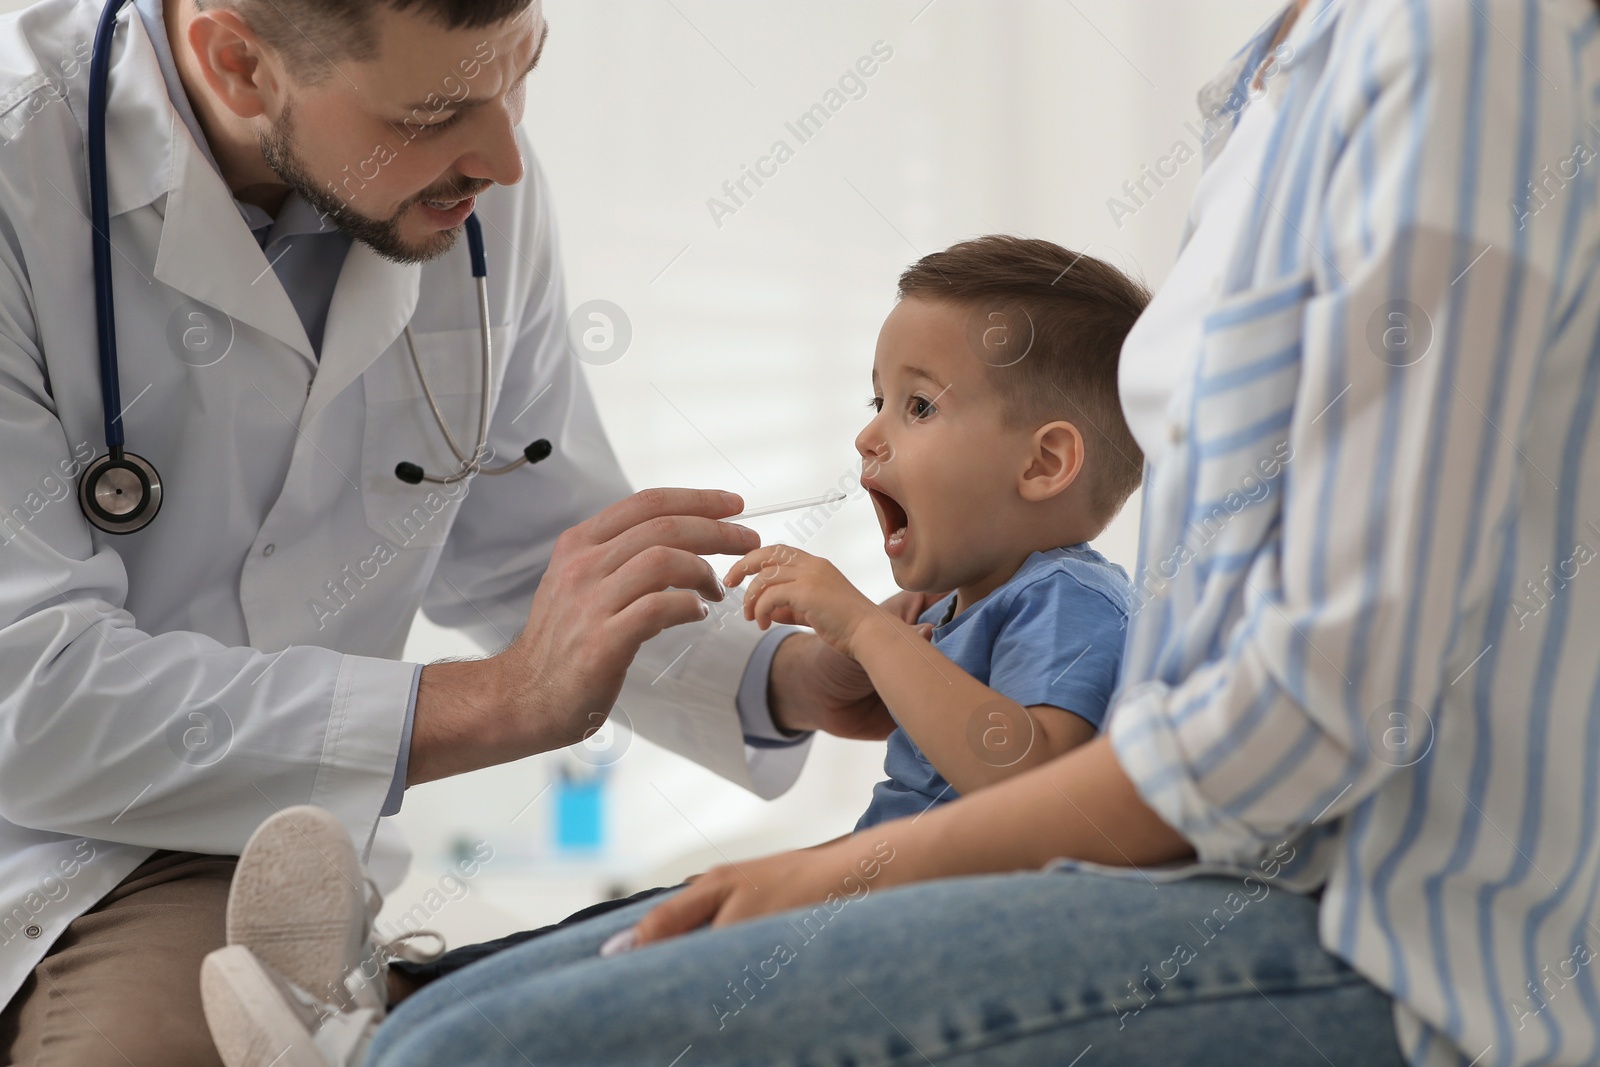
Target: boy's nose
(869,442)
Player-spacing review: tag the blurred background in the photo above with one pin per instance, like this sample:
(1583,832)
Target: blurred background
(753,324)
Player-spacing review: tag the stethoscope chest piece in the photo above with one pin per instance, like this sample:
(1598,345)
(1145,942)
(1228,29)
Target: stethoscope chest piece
(120,494)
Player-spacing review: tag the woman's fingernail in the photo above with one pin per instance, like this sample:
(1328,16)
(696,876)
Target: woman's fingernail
(622,942)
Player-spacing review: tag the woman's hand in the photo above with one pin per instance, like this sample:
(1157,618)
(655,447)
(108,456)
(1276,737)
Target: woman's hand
(831,876)
(791,586)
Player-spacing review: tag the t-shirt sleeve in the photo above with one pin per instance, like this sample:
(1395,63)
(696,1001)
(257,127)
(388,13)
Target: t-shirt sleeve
(1061,645)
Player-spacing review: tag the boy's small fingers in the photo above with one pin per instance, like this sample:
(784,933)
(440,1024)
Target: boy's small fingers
(741,569)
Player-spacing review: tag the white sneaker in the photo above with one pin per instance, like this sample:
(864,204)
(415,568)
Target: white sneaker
(259,1020)
(301,902)
(300,911)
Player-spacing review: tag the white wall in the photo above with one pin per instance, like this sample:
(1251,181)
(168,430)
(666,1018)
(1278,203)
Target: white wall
(753,340)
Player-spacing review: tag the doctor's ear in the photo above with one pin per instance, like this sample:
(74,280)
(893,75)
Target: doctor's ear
(242,72)
(1053,463)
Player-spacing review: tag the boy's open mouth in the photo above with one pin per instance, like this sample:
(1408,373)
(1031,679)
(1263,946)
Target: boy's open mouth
(892,517)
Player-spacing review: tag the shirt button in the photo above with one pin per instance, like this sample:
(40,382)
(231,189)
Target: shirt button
(308,386)
(1175,433)
(269,550)
(34,932)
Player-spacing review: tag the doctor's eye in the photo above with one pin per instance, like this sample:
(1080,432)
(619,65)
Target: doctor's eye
(435,127)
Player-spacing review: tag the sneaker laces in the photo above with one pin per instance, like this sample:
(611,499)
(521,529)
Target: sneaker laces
(402,947)
(372,991)
(399,947)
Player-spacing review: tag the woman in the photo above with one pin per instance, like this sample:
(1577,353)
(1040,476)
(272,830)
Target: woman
(1360,688)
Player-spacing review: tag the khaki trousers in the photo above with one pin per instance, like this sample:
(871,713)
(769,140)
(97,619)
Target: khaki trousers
(121,987)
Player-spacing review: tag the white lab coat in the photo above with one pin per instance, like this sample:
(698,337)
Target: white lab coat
(172,688)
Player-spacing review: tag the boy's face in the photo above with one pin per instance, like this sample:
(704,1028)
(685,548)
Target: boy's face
(938,459)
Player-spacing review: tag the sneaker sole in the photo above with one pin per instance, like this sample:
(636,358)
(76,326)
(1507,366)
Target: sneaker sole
(250,1023)
(298,900)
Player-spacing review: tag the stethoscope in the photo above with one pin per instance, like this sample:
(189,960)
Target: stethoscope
(120,492)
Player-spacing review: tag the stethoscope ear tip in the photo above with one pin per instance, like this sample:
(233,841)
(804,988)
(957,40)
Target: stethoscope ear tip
(538,451)
(409,473)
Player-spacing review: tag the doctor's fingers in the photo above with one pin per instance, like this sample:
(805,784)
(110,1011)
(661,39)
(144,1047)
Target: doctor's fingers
(654,612)
(688,533)
(648,504)
(653,570)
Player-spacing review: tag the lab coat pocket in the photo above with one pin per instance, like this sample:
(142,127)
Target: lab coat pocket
(401,428)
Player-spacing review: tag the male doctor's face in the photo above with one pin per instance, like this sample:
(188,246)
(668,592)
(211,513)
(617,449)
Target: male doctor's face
(393,150)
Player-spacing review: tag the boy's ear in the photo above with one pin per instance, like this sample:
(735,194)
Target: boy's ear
(1056,459)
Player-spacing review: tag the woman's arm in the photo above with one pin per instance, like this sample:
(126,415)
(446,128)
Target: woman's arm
(1081,805)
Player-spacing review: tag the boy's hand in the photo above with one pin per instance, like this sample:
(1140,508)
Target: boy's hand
(791,586)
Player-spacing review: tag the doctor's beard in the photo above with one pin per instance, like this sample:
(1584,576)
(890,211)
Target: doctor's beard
(381,235)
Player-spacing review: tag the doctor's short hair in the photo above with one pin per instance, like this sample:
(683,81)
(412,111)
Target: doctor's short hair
(1049,323)
(313,35)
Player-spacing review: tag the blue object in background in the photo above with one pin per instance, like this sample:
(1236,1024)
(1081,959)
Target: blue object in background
(579,808)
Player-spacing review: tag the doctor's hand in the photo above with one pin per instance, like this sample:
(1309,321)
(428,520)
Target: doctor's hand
(815,687)
(613,583)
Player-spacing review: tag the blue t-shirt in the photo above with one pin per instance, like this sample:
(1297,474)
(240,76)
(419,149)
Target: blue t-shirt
(1052,634)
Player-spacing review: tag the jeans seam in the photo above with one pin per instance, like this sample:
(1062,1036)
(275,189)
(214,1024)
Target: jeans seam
(967,1046)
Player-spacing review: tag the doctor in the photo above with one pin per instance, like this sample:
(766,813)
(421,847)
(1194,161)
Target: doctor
(288,180)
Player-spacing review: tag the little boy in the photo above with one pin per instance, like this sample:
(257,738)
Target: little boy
(997,450)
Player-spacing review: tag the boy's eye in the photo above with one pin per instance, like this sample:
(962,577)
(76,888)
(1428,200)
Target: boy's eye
(921,407)
(875,403)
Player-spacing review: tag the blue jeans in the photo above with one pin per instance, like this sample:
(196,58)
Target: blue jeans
(1036,967)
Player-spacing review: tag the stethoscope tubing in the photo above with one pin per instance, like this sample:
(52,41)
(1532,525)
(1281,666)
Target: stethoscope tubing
(473,463)
(100,223)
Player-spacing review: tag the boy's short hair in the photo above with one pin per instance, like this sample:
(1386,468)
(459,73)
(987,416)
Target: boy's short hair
(1050,324)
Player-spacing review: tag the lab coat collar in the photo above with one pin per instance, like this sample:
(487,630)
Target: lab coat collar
(139,115)
(208,253)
